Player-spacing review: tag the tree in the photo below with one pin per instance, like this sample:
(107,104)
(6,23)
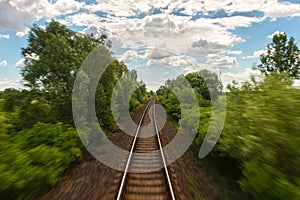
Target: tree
(11,98)
(52,60)
(54,55)
(282,56)
(206,83)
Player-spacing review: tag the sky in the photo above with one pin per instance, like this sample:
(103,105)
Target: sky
(160,38)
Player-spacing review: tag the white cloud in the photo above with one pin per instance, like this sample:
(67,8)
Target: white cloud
(275,33)
(20,63)
(234,52)
(156,53)
(221,61)
(7,83)
(245,75)
(4,36)
(256,54)
(187,63)
(126,8)
(160,30)
(275,9)
(45,8)
(3,63)
(206,47)
(208,29)
(93,30)
(129,56)
(13,18)
(19,13)
(186,7)
(270,8)
(237,21)
(62,7)
(42,27)
(177,34)
(23,33)
(244,5)
(82,19)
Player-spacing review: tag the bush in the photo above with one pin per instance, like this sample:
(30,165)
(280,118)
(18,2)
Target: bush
(264,181)
(35,159)
(262,132)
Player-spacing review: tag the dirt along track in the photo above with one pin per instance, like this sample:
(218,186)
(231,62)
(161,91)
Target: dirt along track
(90,179)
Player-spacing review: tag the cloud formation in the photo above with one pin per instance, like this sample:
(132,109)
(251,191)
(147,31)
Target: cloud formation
(4,36)
(7,83)
(240,76)
(256,54)
(3,63)
(20,63)
(20,13)
(129,56)
(184,28)
(192,34)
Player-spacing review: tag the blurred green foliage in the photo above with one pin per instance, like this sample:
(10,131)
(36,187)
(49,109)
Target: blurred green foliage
(262,132)
(35,159)
(260,137)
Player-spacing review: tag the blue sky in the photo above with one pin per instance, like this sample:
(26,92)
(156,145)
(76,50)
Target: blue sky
(160,39)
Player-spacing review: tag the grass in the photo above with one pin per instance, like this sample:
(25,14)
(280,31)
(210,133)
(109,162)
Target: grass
(192,187)
(78,180)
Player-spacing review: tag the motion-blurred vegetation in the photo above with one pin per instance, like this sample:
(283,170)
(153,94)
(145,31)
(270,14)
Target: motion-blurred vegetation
(260,138)
(38,140)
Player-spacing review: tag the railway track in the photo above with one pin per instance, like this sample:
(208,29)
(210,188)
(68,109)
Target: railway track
(151,185)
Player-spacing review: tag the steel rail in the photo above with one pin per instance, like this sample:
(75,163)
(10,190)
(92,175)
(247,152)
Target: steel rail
(131,152)
(163,156)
